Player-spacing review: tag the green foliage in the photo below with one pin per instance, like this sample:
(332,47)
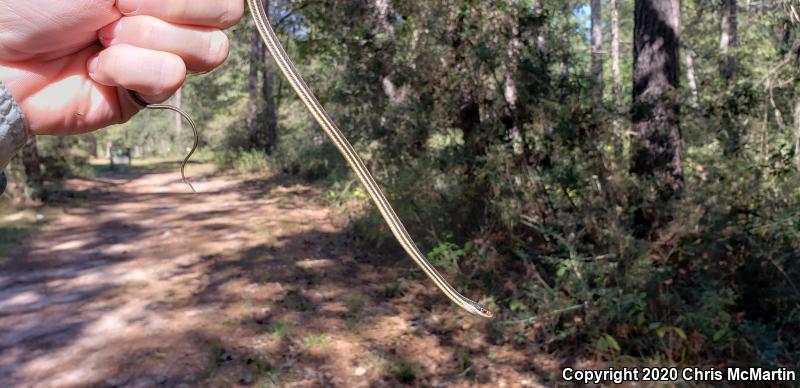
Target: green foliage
(447,255)
(17,189)
(356,302)
(402,371)
(243,161)
(11,233)
(64,156)
(280,329)
(393,289)
(316,340)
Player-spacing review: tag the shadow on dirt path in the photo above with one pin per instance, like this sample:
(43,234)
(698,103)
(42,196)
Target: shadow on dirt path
(255,282)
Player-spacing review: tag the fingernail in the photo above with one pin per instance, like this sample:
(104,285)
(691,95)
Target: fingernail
(128,6)
(91,66)
(107,34)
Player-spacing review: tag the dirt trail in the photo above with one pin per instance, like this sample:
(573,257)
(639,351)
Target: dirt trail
(248,283)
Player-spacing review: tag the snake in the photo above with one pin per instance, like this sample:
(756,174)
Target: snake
(144,104)
(289,70)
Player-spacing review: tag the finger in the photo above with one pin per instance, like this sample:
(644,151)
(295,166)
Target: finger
(201,48)
(59,98)
(44,30)
(209,13)
(155,75)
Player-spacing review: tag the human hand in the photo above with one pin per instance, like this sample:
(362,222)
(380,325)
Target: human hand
(69,63)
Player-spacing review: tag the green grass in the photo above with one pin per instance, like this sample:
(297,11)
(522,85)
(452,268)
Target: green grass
(243,161)
(229,322)
(316,340)
(214,349)
(297,301)
(280,329)
(10,238)
(463,359)
(402,371)
(169,294)
(17,226)
(270,379)
(268,374)
(356,302)
(264,278)
(393,289)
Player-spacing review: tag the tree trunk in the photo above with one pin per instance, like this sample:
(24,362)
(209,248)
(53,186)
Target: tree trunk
(381,12)
(469,113)
(261,123)
(657,150)
(91,145)
(178,117)
(616,72)
(513,47)
(728,41)
(616,75)
(566,11)
(597,57)
(690,78)
(797,133)
(541,42)
(468,119)
(269,114)
(256,56)
(512,63)
(33,168)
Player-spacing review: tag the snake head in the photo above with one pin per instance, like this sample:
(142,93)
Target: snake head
(481,310)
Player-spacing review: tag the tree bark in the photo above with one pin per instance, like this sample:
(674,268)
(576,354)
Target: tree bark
(256,56)
(797,133)
(616,72)
(566,11)
(261,122)
(513,47)
(91,144)
(541,41)
(381,11)
(178,117)
(690,78)
(616,75)
(469,113)
(512,63)
(657,150)
(728,41)
(269,114)
(597,56)
(33,168)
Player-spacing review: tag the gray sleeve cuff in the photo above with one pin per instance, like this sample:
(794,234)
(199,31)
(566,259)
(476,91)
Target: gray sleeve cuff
(13,134)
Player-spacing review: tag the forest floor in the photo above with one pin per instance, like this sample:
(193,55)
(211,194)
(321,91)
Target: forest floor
(134,282)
